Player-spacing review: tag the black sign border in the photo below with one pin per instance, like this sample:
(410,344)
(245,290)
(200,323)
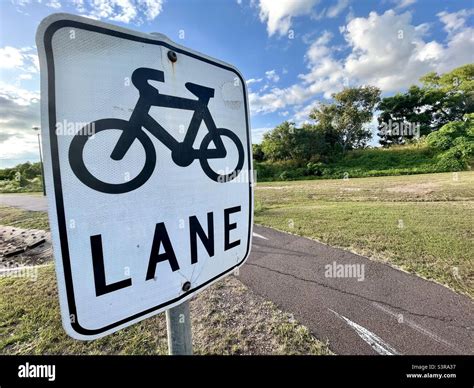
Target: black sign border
(47,40)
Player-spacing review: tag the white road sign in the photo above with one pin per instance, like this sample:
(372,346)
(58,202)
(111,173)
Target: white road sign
(148,171)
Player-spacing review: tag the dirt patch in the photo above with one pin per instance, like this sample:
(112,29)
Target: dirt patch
(24,247)
(229,318)
(416,188)
(271,187)
(351,189)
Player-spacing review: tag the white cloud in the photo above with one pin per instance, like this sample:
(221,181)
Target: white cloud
(24,60)
(10,58)
(17,95)
(430,51)
(324,76)
(402,56)
(337,8)
(301,114)
(278,14)
(277,98)
(403,3)
(19,111)
(253,81)
(458,51)
(21,3)
(272,75)
(388,62)
(79,5)
(118,10)
(125,11)
(456,20)
(318,49)
(152,8)
(257,134)
(386,50)
(25,76)
(56,4)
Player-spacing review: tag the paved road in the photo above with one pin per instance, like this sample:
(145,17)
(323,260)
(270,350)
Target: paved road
(34,202)
(387,312)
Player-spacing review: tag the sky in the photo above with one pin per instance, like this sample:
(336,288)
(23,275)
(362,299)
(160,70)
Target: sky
(293,54)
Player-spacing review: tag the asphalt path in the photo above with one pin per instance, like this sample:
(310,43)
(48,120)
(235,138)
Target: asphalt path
(386,311)
(358,305)
(34,202)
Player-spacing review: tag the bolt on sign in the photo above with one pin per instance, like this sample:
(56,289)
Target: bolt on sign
(148,170)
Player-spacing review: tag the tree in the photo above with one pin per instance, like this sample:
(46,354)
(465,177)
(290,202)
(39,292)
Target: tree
(455,143)
(452,134)
(288,142)
(258,153)
(26,170)
(440,100)
(342,121)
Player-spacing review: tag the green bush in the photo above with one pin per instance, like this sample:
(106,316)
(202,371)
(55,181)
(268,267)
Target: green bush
(416,158)
(456,158)
(444,139)
(289,175)
(314,168)
(25,177)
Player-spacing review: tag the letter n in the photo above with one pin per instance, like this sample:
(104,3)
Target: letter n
(196,229)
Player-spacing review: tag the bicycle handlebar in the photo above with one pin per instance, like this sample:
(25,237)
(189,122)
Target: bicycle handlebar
(142,75)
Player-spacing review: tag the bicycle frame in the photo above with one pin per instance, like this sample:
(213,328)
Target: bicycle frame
(183,152)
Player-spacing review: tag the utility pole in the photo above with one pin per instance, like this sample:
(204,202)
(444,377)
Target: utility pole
(36,128)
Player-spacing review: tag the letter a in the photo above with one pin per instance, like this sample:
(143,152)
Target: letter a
(161,237)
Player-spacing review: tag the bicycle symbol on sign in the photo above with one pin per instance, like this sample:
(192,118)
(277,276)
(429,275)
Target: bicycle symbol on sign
(182,153)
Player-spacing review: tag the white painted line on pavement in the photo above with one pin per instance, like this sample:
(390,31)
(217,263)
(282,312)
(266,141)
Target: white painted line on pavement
(414,325)
(259,236)
(375,342)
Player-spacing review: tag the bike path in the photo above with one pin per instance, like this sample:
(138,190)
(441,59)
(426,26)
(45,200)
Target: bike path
(388,312)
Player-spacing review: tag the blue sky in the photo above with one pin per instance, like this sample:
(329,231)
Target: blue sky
(293,54)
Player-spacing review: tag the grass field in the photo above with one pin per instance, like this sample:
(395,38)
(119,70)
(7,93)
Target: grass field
(227,318)
(23,219)
(420,223)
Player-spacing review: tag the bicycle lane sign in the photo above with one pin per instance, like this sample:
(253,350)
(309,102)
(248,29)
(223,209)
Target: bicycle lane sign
(148,170)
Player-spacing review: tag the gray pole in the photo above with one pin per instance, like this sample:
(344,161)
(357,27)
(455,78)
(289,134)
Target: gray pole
(178,324)
(41,163)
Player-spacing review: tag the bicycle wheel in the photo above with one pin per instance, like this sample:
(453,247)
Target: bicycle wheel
(76,158)
(217,176)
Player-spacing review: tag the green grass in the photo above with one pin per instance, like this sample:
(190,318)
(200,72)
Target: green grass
(30,323)
(23,219)
(227,318)
(421,223)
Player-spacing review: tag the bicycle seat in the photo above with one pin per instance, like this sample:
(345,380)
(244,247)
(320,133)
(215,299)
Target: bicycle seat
(142,75)
(199,90)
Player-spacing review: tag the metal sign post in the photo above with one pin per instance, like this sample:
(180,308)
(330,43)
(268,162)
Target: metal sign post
(178,325)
